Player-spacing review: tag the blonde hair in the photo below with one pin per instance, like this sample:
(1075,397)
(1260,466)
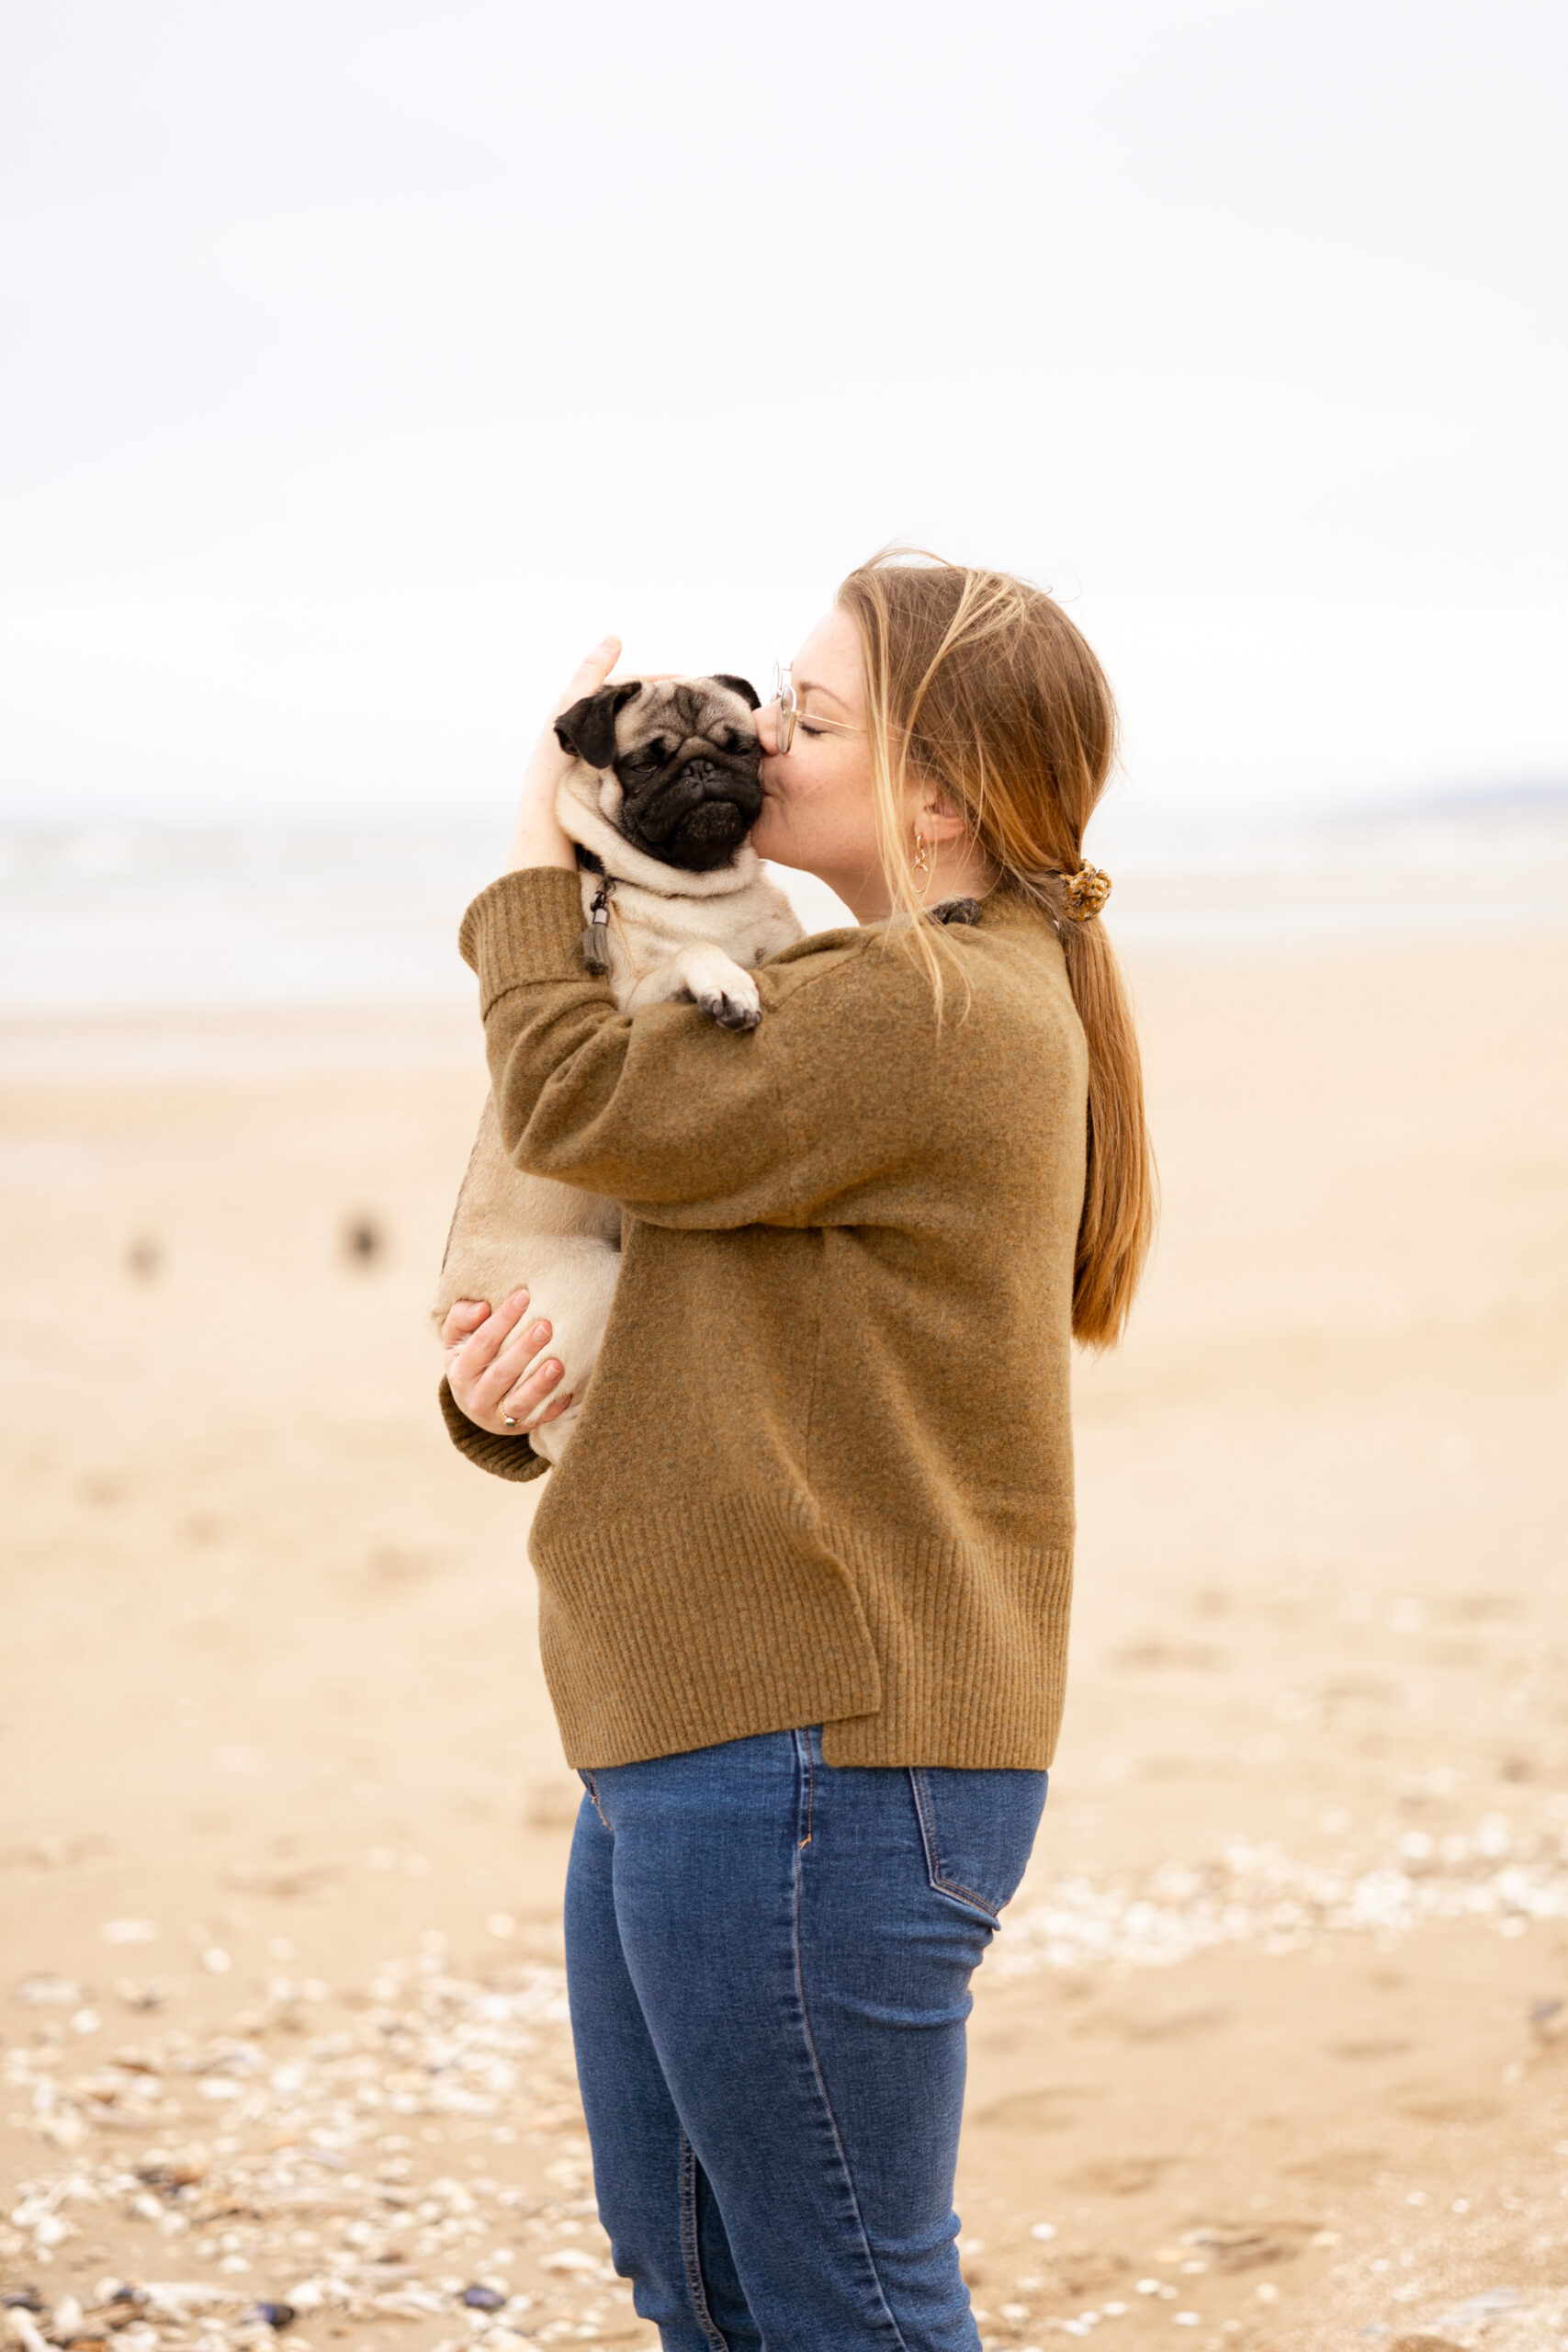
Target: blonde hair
(979,684)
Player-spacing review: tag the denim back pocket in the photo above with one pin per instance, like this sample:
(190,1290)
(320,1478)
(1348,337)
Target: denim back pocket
(979,1831)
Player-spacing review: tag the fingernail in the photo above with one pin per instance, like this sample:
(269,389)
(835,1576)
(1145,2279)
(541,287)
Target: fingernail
(540,1334)
(552,1371)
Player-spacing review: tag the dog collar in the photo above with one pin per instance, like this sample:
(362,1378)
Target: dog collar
(594,957)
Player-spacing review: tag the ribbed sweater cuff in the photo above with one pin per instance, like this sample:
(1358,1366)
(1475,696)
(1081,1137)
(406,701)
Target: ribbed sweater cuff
(527,927)
(503,1457)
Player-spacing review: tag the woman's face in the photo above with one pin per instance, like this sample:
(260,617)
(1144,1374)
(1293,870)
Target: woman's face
(818,813)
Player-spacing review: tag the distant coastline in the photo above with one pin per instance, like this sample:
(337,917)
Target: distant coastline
(1522,797)
(115,918)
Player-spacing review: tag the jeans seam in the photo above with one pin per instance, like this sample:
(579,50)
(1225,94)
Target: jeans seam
(591,1785)
(935,1872)
(898,2337)
(803,1751)
(691,2251)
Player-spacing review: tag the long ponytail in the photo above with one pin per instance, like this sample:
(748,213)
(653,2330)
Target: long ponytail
(979,684)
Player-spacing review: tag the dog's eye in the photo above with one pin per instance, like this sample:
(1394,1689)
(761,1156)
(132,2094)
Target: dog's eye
(733,740)
(649,755)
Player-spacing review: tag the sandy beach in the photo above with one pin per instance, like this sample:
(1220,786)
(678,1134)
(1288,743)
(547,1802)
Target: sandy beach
(1273,2049)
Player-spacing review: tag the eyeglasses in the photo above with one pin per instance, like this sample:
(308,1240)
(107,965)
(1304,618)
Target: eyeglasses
(783,694)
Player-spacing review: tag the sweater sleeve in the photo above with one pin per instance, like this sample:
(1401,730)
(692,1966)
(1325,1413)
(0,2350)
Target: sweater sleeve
(503,1457)
(682,1122)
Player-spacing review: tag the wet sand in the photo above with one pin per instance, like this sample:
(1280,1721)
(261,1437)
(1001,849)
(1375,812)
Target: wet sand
(1274,2044)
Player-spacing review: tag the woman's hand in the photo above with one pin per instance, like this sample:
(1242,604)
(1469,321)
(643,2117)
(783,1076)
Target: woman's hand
(486,1357)
(538,840)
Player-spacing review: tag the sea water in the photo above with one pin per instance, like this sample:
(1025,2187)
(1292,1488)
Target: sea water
(102,921)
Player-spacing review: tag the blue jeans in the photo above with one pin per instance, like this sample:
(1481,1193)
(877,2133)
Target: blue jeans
(769,1962)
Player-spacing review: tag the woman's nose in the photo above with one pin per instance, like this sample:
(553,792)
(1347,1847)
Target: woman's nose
(766,722)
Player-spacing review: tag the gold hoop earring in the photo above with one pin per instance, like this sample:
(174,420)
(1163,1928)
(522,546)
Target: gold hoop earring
(919,865)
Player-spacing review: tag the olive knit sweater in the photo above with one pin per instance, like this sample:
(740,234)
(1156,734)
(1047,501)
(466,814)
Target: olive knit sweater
(824,1471)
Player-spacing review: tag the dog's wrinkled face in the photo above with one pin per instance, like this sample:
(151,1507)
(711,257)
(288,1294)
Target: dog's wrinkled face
(680,757)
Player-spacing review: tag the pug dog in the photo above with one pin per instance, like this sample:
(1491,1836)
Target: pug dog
(662,792)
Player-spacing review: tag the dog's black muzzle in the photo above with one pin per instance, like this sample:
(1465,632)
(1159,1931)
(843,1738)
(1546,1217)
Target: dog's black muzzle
(697,815)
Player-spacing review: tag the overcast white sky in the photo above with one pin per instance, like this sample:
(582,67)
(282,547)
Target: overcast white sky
(367,357)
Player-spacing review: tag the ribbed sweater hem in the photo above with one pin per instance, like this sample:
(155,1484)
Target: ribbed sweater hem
(751,1615)
(972,1641)
(680,1629)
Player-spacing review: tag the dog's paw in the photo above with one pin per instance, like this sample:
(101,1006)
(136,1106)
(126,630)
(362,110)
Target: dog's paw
(729,1009)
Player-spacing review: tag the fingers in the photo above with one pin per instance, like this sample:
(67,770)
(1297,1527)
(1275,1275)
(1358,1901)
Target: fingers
(491,1368)
(589,673)
(462,1319)
(530,1402)
(467,1358)
(489,1392)
(552,1412)
(514,1359)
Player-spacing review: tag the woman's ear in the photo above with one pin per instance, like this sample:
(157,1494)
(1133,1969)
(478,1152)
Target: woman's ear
(937,818)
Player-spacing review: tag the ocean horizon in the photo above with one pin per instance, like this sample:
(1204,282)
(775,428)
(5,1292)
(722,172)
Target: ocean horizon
(98,919)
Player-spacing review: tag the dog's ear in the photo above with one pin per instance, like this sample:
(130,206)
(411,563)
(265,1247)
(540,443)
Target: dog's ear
(589,727)
(741,686)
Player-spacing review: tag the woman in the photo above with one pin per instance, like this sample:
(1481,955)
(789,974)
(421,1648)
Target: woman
(804,1572)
